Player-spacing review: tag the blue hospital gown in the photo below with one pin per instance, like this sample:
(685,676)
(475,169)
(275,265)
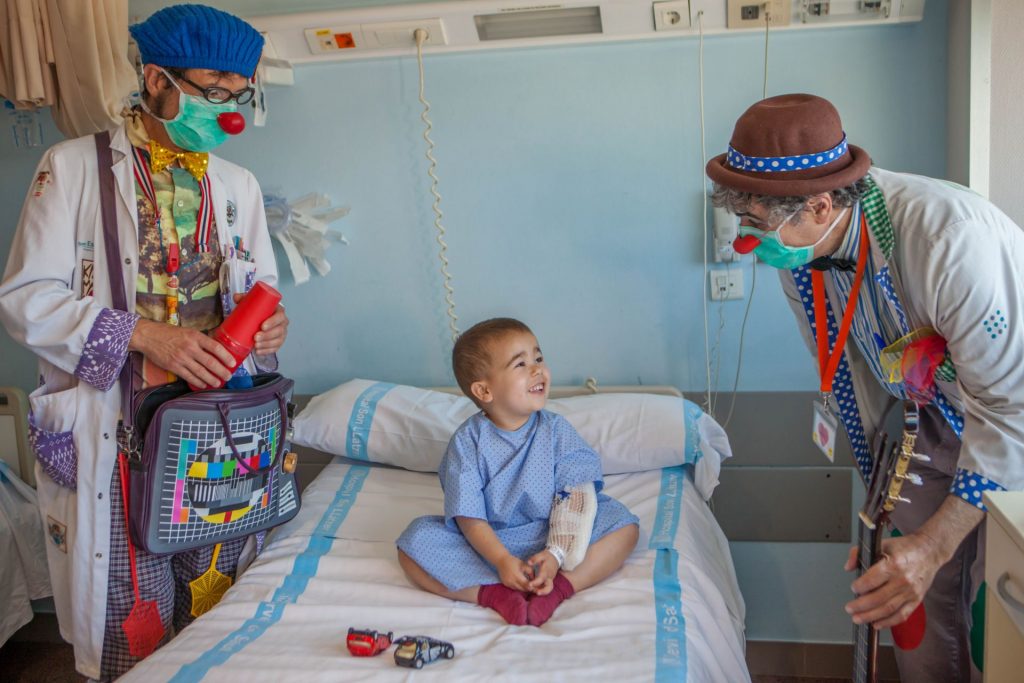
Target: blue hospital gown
(509,479)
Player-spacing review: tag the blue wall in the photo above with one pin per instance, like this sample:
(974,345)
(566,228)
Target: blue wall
(571,179)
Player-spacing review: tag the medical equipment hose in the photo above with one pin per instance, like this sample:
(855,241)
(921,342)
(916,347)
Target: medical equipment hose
(704,213)
(421,36)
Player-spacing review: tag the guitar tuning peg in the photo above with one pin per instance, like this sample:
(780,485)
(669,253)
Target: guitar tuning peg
(914,479)
(921,457)
(898,499)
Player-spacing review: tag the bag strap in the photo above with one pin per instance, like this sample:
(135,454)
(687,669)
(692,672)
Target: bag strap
(111,239)
(224,409)
(112,250)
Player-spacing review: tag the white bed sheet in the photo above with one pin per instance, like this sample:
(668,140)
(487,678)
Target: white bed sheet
(672,613)
(23,573)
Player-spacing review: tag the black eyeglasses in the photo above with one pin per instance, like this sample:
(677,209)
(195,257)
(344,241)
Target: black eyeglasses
(217,94)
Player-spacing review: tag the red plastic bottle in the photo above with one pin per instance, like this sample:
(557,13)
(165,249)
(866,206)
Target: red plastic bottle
(238,331)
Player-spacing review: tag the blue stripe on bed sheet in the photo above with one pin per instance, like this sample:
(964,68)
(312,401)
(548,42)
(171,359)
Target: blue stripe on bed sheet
(294,584)
(357,440)
(670,500)
(670,663)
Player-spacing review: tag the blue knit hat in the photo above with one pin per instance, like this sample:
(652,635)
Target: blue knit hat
(198,37)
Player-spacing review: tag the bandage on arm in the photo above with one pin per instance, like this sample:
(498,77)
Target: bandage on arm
(571,524)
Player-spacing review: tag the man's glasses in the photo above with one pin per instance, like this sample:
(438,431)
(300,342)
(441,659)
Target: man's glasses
(217,94)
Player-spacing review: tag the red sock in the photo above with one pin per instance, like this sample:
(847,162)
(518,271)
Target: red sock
(509,603)
(541,607)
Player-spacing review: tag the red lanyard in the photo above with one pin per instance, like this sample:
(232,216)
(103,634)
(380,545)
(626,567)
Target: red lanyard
(829,362)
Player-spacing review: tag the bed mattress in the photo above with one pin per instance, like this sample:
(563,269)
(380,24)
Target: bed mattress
(672,613)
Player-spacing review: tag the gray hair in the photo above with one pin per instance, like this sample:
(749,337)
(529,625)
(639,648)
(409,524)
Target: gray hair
(736,201)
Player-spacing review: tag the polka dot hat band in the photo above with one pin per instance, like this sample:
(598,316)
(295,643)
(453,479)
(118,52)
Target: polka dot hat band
(798,162)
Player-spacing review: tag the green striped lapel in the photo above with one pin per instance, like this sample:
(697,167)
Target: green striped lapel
(873,206)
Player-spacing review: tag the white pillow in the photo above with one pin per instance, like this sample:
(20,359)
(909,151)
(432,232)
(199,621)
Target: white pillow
(410,427)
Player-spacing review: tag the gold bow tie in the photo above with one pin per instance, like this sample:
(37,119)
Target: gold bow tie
(194,162)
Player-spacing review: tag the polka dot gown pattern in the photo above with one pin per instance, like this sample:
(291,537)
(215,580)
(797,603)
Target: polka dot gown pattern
(509,479)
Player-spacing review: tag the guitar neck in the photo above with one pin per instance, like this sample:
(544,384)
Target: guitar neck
(892,456)
(865,636)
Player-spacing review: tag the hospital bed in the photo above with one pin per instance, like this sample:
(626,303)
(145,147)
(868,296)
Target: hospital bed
(23,574)
(673,612)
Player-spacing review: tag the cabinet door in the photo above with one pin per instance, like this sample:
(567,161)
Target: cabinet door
(1004,643)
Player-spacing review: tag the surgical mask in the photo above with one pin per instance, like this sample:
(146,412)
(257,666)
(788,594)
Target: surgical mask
(196,127)
(776,253)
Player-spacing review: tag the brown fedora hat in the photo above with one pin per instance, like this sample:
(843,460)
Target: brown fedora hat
(789,146)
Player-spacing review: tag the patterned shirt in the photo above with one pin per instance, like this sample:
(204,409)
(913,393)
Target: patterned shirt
(873,327)
(198,301)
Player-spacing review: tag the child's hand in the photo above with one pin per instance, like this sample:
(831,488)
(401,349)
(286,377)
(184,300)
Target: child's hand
(514,573)
(545,568)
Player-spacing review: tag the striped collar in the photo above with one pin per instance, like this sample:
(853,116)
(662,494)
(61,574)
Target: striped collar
(850,245)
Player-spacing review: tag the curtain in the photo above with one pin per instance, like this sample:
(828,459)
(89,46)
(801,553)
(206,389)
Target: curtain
(70,55)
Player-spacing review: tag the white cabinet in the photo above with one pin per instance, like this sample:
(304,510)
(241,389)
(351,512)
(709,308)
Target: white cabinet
(1004,575)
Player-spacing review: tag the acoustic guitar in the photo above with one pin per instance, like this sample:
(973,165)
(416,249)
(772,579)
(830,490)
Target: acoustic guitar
(891,461)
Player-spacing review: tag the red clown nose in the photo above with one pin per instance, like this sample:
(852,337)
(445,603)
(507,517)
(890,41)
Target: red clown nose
(231,122)
(746,244)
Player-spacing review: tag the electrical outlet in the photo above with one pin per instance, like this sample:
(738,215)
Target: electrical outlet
(393,34)
(726,284)
(817,9)
(673,15)
(752,13)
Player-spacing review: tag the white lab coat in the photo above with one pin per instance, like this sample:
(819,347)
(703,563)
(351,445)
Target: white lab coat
(957,260)
(42,307)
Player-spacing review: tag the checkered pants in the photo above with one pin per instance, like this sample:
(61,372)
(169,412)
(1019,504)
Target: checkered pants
(163,578)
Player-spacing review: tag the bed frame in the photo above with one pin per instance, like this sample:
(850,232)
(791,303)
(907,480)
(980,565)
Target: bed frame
(14,446)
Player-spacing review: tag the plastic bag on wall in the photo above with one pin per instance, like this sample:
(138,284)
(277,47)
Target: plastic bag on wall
(301,227)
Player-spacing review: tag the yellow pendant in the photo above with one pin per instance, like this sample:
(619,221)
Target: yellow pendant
(209,588)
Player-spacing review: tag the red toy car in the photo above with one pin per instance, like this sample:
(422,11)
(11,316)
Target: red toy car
(366,642)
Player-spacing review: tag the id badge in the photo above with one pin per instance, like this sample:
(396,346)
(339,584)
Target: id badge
(824,430)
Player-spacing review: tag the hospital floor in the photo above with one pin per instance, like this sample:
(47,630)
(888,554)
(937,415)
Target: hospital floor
(36,655)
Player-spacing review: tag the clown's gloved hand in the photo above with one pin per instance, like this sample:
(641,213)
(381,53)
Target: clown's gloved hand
(571,524)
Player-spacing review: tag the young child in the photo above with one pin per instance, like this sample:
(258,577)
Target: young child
(510,470)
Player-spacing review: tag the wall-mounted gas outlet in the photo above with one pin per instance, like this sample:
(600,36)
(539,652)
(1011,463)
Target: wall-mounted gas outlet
(327,40)
(390,34)
(672,15)
(754,13)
